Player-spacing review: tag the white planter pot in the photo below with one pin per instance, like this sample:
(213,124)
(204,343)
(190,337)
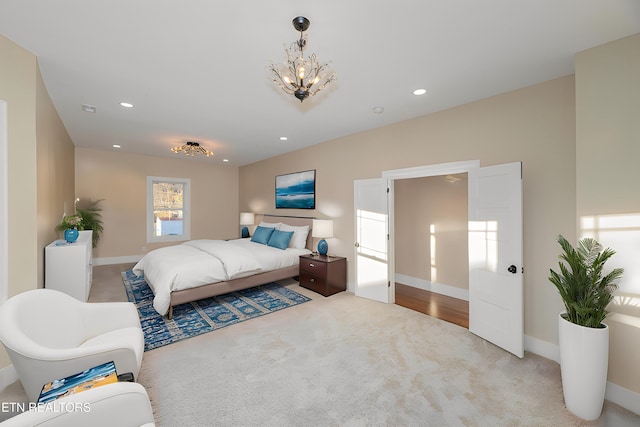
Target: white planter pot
(584,359)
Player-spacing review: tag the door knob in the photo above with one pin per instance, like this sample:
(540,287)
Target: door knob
(512,269)
(357,245)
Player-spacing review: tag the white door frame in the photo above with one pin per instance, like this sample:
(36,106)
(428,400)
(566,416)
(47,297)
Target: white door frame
(415,172)
(4,214)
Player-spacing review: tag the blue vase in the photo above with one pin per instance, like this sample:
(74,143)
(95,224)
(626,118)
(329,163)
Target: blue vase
(323,247)
(71,235)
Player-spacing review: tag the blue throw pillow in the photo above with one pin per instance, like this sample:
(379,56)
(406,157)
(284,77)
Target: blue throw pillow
(280,239)
(262,235)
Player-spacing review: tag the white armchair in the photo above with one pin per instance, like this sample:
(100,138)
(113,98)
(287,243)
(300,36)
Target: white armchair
(50,335)
(121,404)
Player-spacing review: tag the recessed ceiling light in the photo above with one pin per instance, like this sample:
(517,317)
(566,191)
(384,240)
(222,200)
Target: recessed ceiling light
(283,138)
(225,160)
(89,108)
(378,110)
(126,105)
(115,146)
(419,91)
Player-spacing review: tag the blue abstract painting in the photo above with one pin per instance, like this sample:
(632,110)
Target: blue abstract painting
(296,190)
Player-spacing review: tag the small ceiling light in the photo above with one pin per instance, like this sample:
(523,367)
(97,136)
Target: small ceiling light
(225,160)
(419,92)
(301,77)
(378,110)
(191,149)
(115,146)
(283,138)
(89,108)
(126,105)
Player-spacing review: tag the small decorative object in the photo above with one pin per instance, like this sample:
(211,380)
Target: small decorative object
(71,235)
(69,226)
(246,218)
(583,338)
(322,228)
(299,76)
(296,190)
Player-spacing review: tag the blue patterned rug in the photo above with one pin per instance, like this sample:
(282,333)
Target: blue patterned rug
(206,315)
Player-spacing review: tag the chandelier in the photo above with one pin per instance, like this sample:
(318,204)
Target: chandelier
(191,149)
(301,77)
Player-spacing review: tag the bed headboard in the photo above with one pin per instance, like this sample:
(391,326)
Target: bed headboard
(291,220)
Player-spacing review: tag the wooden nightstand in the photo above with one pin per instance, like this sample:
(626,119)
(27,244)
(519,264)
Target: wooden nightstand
(326,275)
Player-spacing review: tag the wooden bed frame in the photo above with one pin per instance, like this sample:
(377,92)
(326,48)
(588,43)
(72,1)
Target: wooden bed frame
(220,288)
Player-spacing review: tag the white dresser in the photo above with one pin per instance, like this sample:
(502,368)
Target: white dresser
(68,266)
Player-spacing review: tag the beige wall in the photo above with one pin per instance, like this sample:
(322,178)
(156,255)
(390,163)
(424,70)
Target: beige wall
(608,178)
(120,179)
(36,139)
(55,179)
(421,203)
(535,125)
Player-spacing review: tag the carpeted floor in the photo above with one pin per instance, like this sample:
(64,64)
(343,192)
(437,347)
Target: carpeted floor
(348,361)
(345,361)
(205,315)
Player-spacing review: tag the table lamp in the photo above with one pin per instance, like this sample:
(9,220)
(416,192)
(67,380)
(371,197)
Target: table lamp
(246,218)
(322,228)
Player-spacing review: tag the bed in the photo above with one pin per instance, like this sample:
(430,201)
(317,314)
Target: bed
(199,269)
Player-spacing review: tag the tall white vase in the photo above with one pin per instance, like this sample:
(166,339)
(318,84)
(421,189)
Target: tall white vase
(584,360)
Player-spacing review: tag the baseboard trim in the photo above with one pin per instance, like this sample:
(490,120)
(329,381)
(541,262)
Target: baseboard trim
(542,348)
(8,375)
(623,397)
(116,260)
(439,288)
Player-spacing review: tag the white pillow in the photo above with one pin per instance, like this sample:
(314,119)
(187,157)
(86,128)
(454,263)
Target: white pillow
(299,238)
(275,225)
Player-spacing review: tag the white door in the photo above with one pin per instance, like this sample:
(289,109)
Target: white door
(495,256)
(371,211)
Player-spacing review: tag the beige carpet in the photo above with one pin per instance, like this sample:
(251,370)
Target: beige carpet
(347,361)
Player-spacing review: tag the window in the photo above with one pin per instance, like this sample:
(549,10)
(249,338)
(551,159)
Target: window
(168,203)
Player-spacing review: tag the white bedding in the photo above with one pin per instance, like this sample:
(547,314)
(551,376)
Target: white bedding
(199,262)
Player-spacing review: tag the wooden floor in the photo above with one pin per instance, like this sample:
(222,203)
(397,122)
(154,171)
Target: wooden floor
(436,305)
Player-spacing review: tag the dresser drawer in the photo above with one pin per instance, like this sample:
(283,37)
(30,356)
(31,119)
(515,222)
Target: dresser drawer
(313,267)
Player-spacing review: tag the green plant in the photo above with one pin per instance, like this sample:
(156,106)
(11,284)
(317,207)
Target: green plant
(92,220)
(70,221)
(585,291)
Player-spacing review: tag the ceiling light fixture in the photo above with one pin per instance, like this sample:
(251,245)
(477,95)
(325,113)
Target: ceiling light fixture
(191,149)
(126,105)
(301,77)
(419,92)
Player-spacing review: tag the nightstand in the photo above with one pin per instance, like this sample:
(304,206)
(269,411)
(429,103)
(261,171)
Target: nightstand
(326,275)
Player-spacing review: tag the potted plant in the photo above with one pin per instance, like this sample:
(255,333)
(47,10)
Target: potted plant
(69,226)
(92,219)
(583,336)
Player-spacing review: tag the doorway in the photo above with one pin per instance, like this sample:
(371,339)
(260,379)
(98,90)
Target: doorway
(431,229)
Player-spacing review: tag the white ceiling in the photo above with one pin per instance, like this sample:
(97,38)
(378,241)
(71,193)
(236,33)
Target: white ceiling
(197,70)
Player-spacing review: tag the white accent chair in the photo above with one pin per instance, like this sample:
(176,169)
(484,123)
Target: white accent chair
(121,404)
(50,335)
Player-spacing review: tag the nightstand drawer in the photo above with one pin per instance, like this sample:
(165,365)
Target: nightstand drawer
(314,283)
(314,267)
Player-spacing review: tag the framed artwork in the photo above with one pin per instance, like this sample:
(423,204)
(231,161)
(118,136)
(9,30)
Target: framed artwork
(296,190)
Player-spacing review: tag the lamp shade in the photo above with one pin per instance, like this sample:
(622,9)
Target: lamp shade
(247,218)
(322,228)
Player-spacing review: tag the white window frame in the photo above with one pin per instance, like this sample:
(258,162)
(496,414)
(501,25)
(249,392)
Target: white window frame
(186,210)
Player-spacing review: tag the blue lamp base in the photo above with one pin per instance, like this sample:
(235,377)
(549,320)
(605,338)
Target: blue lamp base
(323,247)
(245,232)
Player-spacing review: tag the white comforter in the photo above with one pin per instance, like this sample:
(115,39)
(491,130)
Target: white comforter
(199,262)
